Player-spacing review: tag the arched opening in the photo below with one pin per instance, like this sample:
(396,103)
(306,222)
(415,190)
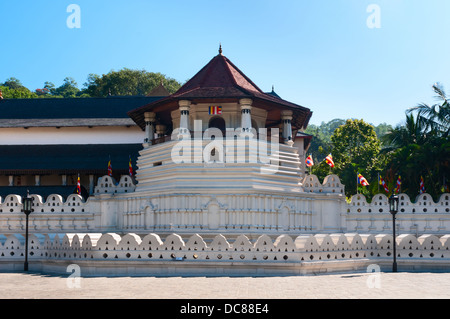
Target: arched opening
(217,122)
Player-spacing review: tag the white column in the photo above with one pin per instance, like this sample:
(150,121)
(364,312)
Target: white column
(184,108)
(11,180)
(64,180)
(37,180)
(91,184)
(149,126)
(246,117)
(286,117)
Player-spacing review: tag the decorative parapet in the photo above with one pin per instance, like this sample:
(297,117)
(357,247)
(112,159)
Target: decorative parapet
(331,184)
(131,254)
(380,204)
(12,204)
(420,217)
(54,213)
(108,185)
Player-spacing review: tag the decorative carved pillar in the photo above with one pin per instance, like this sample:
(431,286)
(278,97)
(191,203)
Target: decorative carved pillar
(160,129)
(37,180)
(286,117)
(184,108)
(11,180)
(246,117)
(150,118)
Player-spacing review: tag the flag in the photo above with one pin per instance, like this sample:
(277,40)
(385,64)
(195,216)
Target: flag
(213,110)
(399,183)
(362,180)
(78,185)
(422,185)
(383,183)
(329,160)
(309,161)
(130,167)
(109,168)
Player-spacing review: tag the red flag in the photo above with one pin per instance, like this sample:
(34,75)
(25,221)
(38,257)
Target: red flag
(399,183)
(109,168)
(422,185)
(215,110)
(130,168)
(362,180)
(78,185)
(329,160)
(309,161)
(383,183)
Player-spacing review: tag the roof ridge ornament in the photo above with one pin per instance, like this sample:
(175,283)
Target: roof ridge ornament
(220,48)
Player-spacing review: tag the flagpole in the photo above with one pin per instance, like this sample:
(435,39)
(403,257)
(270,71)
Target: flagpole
(378,182)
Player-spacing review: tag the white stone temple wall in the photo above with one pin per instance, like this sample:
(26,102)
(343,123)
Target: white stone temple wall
(320,208)
(150,254)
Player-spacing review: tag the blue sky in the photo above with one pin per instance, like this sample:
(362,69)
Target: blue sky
(319,54)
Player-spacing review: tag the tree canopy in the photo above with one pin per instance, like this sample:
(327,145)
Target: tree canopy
(128,82)
(119,83)
(417,148)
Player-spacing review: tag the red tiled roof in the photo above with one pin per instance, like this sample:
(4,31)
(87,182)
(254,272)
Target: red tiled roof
(221,79)
(218,78)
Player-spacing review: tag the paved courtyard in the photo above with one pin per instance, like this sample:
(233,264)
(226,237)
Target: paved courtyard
(331,286)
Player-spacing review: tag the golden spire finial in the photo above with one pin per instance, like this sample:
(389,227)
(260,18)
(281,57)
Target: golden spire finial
(220,48)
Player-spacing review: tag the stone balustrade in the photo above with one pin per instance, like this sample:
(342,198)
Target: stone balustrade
(321,207)
(422,216)
(102,253)
(108,185)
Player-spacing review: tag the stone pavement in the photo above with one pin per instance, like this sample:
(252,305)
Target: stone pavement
(330,286)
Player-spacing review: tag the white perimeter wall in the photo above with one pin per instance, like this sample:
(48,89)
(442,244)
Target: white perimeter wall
(71,135)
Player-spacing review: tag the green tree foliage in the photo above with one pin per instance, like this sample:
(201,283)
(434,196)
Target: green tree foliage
(434,118)
(13,83)
(123,82)
(421,147)
(356,149)
(19,93)
(69,88)
(321,145)
(12,88)
(127,82)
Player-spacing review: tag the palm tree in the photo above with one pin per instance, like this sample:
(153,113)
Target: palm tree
(435,118)
(412,132)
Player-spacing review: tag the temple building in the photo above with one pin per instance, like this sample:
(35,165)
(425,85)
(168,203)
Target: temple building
(218,155)
(217,159)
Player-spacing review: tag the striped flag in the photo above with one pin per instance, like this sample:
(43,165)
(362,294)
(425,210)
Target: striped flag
(309,161)
(422,185)
(329,160)
(130,167)
(383,183)
(78,185)
(213,110)
(362,180)
(399,184)
(109,168)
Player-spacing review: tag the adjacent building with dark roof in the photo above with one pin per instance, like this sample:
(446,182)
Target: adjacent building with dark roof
(46,143)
